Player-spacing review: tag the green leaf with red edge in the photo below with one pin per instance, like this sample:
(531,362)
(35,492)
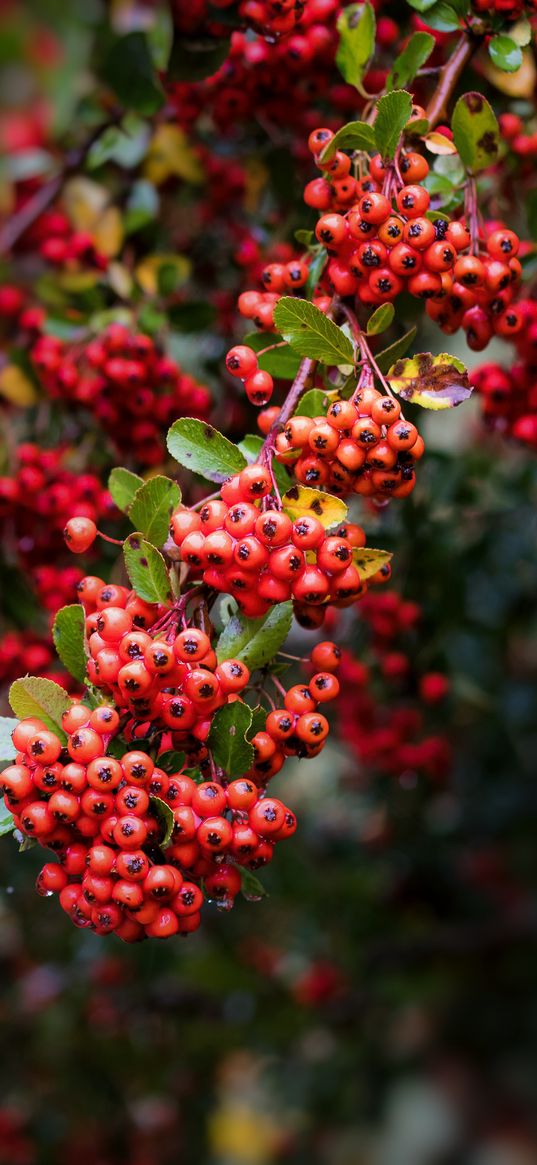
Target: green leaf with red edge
(146,569)
(42,698)
(356,27)
(476,132)
(227,741)
(68,633)
(434,382)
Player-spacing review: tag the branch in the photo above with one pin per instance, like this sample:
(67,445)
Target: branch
(449,75)
(298,387)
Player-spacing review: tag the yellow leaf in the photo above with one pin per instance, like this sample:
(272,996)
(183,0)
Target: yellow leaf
(16,387)
(120,279)
(108,232)
(520,84)
(434,382)
(243,1135)
(147,272)
(84,202)
(300,501)
(170,155)
(438,143)
(368,560)
(75,281)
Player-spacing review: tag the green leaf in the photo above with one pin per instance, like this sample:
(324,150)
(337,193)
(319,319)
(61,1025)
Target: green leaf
(36,696)
(7,824)
(227,739)
(443,17)
(310,333)
(195,316)
(356,27)
(7,748)
(259,721)
(251,446)
(123,485)
(146,569)
(356,135)
(313,404)
(202,449)
(393,112)
(193,60)
(129,70)
(142,206)
(476,132)
(300,500)
(126,145)
(282,362)
(171,761)
(305,238)
(434,382)
(251,887)
(399,348)
(152,507)
(422,5)
(255,641)
(68,633)
(413,56)
(164,815)
(316,269)
(505,53)
(381,319)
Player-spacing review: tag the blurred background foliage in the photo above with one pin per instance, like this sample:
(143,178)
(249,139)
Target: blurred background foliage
(379,1007)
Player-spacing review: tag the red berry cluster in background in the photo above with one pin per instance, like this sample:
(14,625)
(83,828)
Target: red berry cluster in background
(380,243)
(54,239)
(509,395)
(36,501)
(133,390)
(362,445)
(259,555)
(26,652)
(386,707)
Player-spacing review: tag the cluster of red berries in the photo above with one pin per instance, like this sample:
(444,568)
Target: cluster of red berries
(520,142)
(53,237)
(400,734)
(506,9)
(96,812)
(133,390)
(272,19)
(23,652)
(509,400)
(36,501)
(259,555)
(362,445)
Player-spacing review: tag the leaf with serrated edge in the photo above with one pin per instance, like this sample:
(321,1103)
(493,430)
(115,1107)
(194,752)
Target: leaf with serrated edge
(164,815)
(202,449)
(308,331)
(152,507)
(68,633)
(227,739)
(255,641)
(314,403)
(7,748)
(395,351)
(146,569)
(476,132)
(381,319)
(368,561)
(434,382)
(356,135)
(356,27)
(42,698)
(123,485)
(393,112)
(301,501)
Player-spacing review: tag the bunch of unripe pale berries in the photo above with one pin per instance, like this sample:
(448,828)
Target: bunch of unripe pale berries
(380,243)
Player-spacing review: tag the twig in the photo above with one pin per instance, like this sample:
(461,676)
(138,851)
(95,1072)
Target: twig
(449,75)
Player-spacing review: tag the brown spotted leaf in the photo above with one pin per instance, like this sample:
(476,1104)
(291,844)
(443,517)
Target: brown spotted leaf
(476,132)
(300,501)
(434,382)
(368,561)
